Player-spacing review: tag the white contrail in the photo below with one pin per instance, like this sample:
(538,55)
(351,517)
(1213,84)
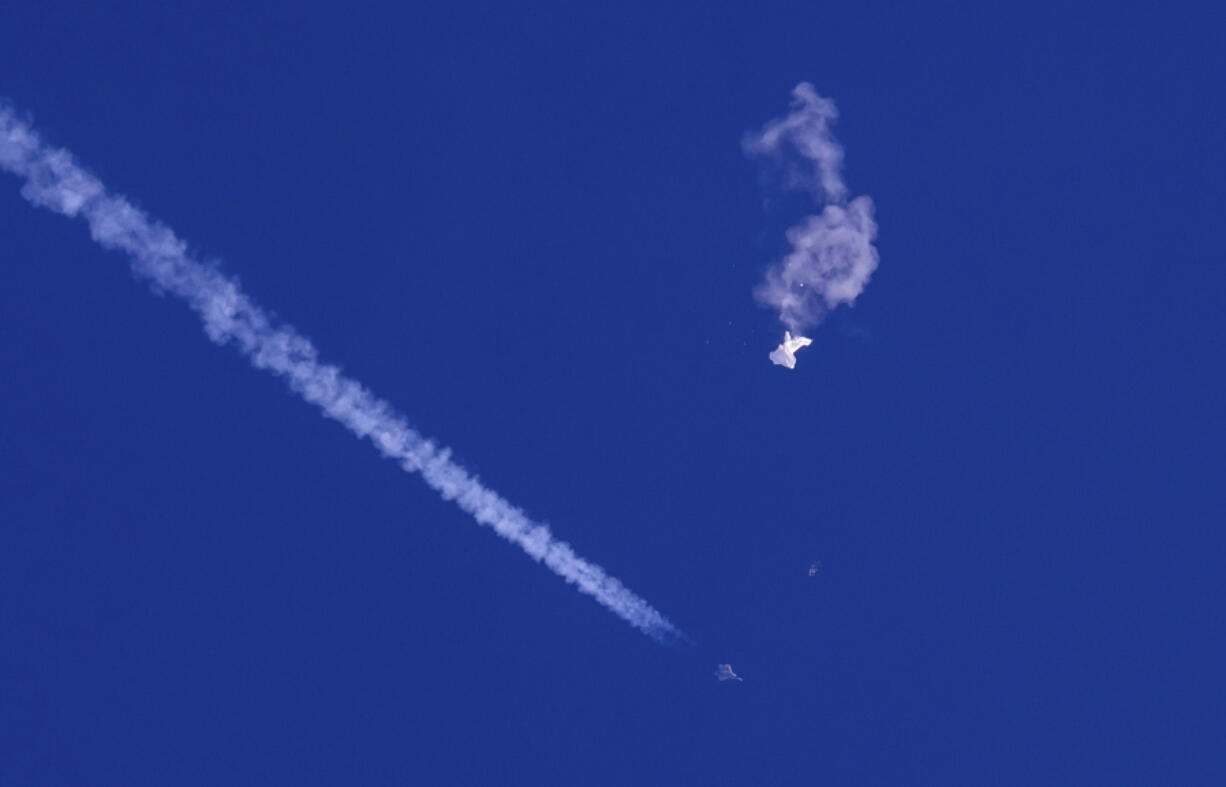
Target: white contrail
(832,254)
(55,181)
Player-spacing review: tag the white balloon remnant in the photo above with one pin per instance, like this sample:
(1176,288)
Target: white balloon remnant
(785,354)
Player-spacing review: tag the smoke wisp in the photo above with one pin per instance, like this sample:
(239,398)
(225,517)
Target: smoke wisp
(53,180)
(832,255)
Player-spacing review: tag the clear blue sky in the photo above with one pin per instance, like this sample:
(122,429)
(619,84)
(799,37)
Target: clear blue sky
(532,228)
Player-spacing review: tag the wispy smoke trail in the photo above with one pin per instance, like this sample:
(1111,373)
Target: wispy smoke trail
(55,181)
(832,255)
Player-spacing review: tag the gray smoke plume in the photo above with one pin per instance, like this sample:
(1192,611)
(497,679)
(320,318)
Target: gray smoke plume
(832,255)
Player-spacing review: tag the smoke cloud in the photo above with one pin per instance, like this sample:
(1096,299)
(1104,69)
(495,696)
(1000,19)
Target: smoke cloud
(832,255)
(54,181)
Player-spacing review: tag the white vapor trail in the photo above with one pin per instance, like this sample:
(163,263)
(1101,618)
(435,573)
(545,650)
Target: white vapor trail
(53,180)
(832,254)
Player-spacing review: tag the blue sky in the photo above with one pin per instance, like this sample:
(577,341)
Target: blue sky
(533,230)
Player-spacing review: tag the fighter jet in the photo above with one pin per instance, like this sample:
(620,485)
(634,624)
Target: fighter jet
(785,354)
(724,672)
